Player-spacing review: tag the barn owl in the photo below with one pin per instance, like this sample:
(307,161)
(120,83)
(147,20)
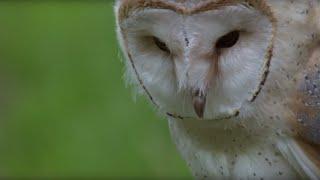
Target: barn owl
(238,80)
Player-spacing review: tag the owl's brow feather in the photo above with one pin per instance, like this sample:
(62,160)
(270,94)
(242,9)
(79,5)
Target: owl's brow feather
(127,7)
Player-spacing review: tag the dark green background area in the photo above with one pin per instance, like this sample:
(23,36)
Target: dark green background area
(64,107)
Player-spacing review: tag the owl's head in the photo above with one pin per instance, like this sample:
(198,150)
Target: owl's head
(198,59)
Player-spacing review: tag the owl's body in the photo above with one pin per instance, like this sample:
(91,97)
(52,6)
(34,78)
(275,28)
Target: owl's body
(238,80)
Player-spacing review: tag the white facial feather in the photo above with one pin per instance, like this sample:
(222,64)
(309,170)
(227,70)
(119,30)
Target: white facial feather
(170,77)
(173,56)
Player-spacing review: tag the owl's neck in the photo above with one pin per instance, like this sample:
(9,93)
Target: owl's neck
(236,151)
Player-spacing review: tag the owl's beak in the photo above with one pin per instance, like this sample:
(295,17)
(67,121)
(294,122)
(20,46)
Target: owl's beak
(199,102)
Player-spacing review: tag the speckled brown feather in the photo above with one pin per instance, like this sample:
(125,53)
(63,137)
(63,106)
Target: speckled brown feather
(305,105)
(311,150)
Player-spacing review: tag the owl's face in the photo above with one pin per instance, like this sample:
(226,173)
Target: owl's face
(206,60)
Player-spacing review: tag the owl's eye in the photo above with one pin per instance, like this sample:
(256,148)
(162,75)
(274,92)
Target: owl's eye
(228,40)
(161,45)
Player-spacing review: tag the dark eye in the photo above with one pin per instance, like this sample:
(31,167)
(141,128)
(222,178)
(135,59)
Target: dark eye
(228,40)
(161,45)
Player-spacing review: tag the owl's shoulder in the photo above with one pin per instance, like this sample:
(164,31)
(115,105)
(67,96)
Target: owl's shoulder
(305,105)
(306,100)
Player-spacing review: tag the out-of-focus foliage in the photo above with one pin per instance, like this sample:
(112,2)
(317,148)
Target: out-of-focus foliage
(64,107)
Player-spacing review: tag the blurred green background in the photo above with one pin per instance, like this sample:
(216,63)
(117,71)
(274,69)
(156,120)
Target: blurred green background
(64,107)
